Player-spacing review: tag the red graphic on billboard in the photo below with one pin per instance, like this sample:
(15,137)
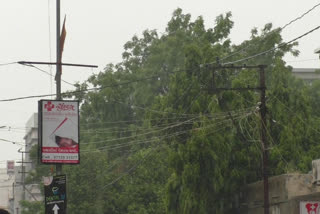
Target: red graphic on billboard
(309,207)
(49,106)
(312,208)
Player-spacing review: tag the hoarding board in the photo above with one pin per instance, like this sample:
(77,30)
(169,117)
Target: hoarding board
(10,167)
(309,207)
(59,131)
(55,194)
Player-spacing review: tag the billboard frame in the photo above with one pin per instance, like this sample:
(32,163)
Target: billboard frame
(40,131)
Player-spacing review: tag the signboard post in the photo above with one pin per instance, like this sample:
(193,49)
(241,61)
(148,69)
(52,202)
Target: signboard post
(55,194)
(59,131)
(310,207)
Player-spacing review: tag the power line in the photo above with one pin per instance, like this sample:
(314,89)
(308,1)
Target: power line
(134,167)
(273,142)
(272,49)
(303,60)
(300,17)
(292,112)
(46,72)
(79,91)
(9,63)
(168,127)
(286,25)
(13,142)
(161,137)
(157,127)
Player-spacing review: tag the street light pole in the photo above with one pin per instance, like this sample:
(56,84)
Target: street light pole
(58,72)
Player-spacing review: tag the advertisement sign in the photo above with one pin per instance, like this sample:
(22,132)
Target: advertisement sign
(309,207)
(55,194)
(10,167)
(59,131)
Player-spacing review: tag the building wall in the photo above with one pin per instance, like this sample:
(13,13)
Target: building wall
(31,192)
(6,188)
(285,193)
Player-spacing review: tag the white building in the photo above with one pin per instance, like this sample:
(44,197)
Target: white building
(22,191)
(307,74)
(6,188)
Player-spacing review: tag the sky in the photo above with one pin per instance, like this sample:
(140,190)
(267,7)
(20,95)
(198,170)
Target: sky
(96,33)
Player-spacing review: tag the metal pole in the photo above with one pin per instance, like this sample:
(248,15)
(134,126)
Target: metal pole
(58,73)
(263,112)
(22,176)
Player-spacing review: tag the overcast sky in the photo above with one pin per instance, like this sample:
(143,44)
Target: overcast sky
(97,31)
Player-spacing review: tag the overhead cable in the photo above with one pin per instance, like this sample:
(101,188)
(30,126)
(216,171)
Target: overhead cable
(284,26)
(78,91)
(272,49)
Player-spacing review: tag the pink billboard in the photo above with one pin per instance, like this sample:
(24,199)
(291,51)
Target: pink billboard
(59,131)
(10,166)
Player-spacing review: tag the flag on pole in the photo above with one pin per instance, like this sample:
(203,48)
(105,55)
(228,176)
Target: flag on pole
(62,39)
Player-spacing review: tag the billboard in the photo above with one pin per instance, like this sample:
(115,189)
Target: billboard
(59,131)
(10,167)
(55,194)
(309,207)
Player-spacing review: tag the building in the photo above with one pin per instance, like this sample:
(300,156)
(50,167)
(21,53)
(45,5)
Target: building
(6,188)
(31,139)
(22,191)
(288,193)
(307,74)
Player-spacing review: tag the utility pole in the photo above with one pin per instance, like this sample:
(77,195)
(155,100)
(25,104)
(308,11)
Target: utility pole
(58,72)
(263,111)
(23,172)
(59,65)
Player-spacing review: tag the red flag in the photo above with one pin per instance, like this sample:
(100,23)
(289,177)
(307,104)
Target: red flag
(62,39)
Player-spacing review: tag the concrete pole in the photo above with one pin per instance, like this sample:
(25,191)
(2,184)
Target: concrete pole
(58,72)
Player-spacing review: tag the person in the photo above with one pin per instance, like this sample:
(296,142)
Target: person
(2,211)
(65,142)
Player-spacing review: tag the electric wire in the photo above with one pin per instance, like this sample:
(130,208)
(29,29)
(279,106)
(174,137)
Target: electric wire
(272,49)
(141,163)
(300,17)
(137,129)
(13,142)
(9,63)
(78,91)
(132,168)
(46,72)
(281,29)
(172,126)
(291,111)
(302,60)
(137,165)
(273,142)
(157,137)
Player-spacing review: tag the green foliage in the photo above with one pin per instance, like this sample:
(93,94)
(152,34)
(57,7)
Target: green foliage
(32,207)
